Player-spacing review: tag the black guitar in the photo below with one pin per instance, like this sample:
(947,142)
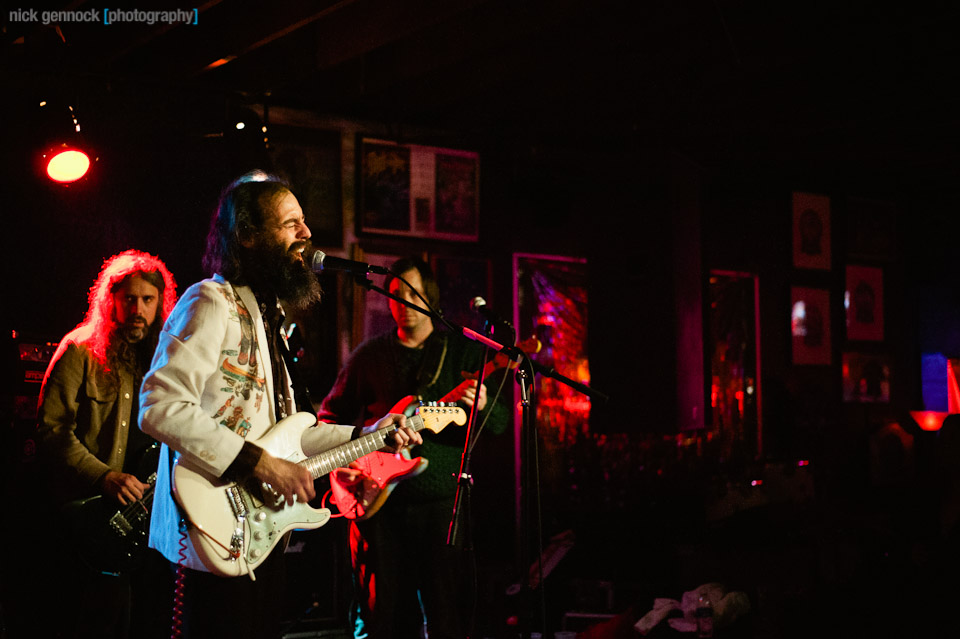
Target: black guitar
(109,538)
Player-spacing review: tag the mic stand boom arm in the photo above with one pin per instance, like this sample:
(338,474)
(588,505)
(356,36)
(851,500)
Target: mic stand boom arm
(514,353)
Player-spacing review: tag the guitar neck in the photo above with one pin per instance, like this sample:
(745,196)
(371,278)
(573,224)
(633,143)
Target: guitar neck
(342,455)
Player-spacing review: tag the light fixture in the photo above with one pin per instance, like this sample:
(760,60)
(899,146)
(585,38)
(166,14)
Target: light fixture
(929,420)
(65,157)
(243,133)
(66,164)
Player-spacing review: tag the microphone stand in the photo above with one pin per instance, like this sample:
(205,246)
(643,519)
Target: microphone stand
(528,446)
(464,477)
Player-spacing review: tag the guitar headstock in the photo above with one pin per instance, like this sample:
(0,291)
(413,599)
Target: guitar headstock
(437,415)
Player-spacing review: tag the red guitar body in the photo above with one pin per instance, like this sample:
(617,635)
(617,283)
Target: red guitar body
(381,472)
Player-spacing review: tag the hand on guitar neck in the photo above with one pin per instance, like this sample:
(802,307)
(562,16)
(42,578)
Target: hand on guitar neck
(466,391)
(122,487)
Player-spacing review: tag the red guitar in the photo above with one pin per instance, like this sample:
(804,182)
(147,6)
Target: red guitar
(381,472)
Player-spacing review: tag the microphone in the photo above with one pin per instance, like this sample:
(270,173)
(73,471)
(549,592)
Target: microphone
(479,305)
(323,262)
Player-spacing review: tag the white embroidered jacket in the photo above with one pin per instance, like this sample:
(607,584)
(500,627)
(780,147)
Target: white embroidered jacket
(209,387)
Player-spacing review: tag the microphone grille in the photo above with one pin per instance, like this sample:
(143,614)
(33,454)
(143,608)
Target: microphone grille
(317,261)
(477,303)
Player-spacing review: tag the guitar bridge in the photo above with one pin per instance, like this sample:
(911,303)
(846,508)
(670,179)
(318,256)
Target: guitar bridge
(120,525)
(239,507)
(237,504)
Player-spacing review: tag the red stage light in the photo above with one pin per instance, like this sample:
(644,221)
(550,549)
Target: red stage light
(66,164)
(929,420)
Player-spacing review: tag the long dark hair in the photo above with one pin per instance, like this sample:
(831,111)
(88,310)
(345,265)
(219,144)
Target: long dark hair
(101,315)
(239,213)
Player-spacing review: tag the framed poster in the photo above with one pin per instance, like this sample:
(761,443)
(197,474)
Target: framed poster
(456,195)
(811,231)
(551,303)
(384,202)
(421,191)
(863,303)
(810,326)
(866,377)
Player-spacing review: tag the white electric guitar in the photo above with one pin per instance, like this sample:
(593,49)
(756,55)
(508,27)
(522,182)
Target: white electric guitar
(234,526)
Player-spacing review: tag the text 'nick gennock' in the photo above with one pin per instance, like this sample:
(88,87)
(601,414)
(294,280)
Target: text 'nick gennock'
(106,16)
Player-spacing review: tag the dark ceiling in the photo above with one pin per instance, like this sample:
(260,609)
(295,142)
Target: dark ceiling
(841,89)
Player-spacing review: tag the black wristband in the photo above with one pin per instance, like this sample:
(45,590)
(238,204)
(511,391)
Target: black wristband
(242,467)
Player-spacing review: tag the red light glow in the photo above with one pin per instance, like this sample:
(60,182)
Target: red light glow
(69,165)
(929,420)
(220,62)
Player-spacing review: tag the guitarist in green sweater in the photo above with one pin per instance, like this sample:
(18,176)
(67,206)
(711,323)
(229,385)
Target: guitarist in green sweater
(394,599)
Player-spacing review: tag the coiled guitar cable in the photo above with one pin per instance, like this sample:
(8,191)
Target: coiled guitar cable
(176,621)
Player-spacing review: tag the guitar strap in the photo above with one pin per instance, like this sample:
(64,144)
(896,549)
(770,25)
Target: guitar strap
(435,352)
(301,394)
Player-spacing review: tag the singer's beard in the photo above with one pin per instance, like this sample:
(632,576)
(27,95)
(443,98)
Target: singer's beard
(284,272)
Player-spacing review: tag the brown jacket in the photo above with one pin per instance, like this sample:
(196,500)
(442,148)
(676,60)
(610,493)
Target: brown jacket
(84,418)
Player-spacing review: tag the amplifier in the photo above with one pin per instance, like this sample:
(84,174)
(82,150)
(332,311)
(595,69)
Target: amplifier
(32,361)
(26,360)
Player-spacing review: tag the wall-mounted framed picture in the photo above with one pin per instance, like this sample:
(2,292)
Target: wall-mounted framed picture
(811,231)
(383,205)
(414,190)
(863,303)
(866,377)
(810,326)
(455,210)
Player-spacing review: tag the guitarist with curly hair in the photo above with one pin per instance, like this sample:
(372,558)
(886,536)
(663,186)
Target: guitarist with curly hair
(94,458)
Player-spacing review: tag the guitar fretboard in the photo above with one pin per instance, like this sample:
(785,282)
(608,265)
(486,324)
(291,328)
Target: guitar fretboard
(342,455)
